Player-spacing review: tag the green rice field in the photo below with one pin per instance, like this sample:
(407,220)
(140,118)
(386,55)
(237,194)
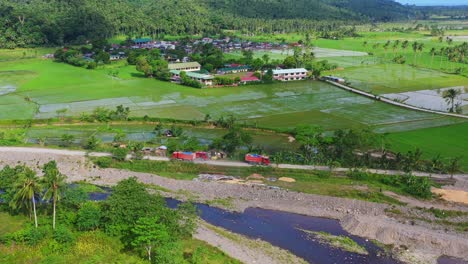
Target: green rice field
(396,78)
(44,87)
(452,141)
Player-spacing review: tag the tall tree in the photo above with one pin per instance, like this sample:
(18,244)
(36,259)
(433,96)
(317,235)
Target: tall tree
(150,233)
(433,52)
(54,182)
(450,96)
(27,188)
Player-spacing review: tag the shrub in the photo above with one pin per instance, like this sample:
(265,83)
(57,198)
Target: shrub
(92,65)
(66,140)
(104,162)
(31,235)
(417,186)
(120,154)
(357,174)
(89,216)
(63,235)
(91,143)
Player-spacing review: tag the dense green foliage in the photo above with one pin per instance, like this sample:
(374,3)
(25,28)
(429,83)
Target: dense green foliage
(130,219)
(54,22)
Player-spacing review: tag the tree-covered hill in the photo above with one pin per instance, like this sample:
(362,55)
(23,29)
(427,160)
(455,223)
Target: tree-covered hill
(54,22)
(313,9)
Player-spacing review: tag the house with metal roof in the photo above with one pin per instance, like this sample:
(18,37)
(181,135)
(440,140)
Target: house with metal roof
(290,74)
(185,66)
(234,69)
(205,79)
(141,41)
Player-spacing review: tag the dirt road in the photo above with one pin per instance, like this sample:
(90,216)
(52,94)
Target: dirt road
(79,153)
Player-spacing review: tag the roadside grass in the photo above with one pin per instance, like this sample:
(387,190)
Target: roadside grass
(368,190)
(448,141)
(442,214)
(313,182)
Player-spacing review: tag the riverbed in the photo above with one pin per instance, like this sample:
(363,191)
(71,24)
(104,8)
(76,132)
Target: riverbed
(285,230)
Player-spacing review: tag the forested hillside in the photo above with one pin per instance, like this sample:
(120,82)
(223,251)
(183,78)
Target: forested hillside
(51,22)
(383,10)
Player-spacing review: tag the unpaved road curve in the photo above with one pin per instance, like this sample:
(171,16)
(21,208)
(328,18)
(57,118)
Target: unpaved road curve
(462,177)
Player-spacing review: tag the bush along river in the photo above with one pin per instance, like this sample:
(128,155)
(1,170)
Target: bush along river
(286,230)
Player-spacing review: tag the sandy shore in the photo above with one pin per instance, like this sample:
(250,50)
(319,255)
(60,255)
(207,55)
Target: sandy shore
(360,218)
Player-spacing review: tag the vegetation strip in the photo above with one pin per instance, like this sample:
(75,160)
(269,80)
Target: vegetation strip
(341,242)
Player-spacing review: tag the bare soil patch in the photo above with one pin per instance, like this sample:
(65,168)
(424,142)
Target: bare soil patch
(456,196)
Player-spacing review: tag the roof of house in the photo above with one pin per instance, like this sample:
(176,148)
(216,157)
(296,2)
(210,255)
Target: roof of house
(249,77)
(182,65)
(139,40)
(194,75)
(236,68)
(289,71)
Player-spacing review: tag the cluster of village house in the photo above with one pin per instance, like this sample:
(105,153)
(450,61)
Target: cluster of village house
(192,70)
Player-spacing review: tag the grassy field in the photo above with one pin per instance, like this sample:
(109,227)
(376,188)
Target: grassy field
(11,223)
(448,141)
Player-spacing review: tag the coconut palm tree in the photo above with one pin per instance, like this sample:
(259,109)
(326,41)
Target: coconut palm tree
(26,189)
(404,44)
(375,46)
(453,166)
(441,53)
(449,41)
(385,46)
(433,52)
(420,47)
(415,46)
(54,182)
(450,95)
(395,46)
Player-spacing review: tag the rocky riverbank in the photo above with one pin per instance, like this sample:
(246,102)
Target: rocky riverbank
(360,218)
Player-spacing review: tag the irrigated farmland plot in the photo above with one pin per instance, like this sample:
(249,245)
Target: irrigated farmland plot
(451,141)
(278,54)
(54,86)
(396,78)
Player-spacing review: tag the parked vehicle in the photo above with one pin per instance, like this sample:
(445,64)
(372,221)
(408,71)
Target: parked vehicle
(189,156)
(257,159)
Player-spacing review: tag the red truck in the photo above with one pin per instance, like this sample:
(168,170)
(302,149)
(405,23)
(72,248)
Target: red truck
(257,159)
(189,156)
